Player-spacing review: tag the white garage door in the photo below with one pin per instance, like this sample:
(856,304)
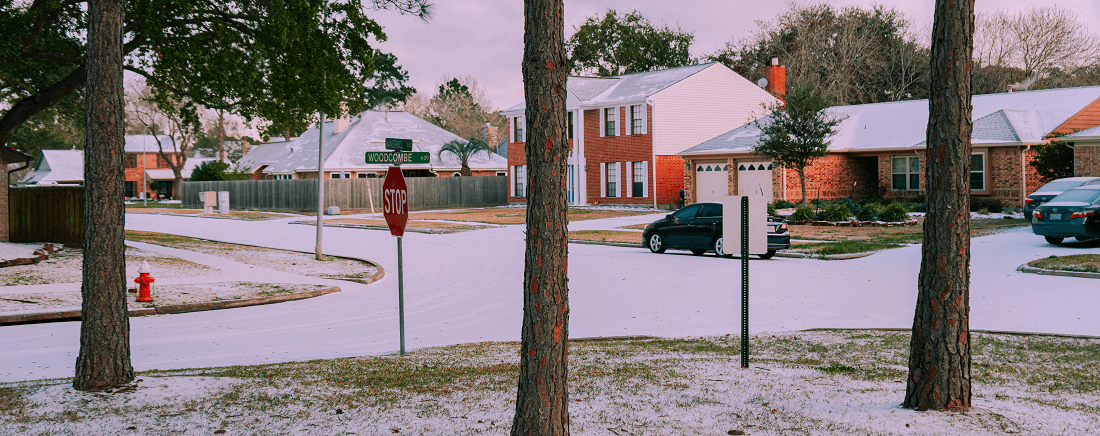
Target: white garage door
(755,178)
(711,182)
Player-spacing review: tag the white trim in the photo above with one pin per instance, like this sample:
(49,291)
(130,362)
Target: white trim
(511,129)
(629,173)
(603,122)
(645,179)
(603,180)
(512,181)
(985,179)
(645,118)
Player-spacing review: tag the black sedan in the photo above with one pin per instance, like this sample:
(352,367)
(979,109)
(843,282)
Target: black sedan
(698,227)
(1072,214)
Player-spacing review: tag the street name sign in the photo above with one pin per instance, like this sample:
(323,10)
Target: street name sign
(399,144)
(385,157)
(395,201)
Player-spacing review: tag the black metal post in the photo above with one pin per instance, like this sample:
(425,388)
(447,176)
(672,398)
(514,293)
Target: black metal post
(744,282)
(401,295)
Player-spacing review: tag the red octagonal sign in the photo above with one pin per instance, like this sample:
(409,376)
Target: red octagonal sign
(395,201)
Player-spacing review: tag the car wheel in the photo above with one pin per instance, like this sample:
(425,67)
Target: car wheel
(1053,240)
(697,251)
(767,255)
(656,243)
(719,249)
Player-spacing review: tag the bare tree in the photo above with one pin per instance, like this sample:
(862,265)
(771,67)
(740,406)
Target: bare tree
(104,359)
(939,351)
(460,106)
(166,116)
(1037,40)
(542,398)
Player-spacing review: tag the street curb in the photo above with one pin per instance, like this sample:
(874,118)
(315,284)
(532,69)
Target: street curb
(607,243)
(74,315)
(777,254)
(1053,272)
(365,227)
(994,332)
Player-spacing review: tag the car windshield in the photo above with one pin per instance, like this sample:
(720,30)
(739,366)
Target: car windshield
(1078,195)
(1060,185)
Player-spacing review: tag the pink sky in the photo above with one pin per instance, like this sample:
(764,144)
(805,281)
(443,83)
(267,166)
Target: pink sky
(484,39)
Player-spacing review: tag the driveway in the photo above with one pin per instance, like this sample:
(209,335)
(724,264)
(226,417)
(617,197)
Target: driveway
(466,287)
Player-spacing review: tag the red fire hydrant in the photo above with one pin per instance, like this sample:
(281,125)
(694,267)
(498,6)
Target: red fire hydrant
(145,281)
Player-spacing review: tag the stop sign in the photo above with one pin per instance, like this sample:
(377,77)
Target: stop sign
(395,201)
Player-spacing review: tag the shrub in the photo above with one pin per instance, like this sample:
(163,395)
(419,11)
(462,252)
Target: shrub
(817,202)
(984,211)
(977,204)
(836,212)
(917,199)
(771,209)
(804,212)
(783,204)
(916,207)
(869,213)
(894,212)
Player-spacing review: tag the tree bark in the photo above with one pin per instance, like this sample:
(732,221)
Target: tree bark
(104,358)
(939,360)
(802,179)
(542,400)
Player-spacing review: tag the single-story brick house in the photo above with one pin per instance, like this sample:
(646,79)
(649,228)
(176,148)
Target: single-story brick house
(1086,152)
(625,131)
(879,150)
(348,139)
(8,158)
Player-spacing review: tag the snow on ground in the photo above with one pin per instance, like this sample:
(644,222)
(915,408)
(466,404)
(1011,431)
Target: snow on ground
(12,250)
(466,287)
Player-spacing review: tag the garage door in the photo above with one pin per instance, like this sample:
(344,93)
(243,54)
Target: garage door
(711,181)
(755,178)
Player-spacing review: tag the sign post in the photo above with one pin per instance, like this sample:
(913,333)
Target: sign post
(745,222)
(744,282)
(395,201)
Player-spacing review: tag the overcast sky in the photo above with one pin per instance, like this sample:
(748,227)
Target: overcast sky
(484,38)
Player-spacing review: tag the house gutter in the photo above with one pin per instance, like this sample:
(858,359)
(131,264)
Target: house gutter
(1023,177)
(653,152)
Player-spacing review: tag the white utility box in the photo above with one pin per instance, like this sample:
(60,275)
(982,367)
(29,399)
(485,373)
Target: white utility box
(758,225)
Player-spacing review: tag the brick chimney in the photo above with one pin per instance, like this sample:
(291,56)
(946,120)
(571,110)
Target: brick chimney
(343,122)
(777,79)
(244,147)
(490,134)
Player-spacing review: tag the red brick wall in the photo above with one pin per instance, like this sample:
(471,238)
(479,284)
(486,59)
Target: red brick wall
(670,180)
(3,198)
(134,174)
(1086,160)
(622,149)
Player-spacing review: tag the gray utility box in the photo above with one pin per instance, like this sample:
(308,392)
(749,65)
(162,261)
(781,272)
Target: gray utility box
(223,202)
(332,210)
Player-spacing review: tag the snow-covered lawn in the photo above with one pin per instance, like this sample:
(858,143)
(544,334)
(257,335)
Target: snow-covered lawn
(828,383)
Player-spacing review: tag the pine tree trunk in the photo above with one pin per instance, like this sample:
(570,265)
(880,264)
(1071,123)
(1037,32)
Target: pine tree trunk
(104,358)
(221,135)
(939,360)
(542,400)
(802,179)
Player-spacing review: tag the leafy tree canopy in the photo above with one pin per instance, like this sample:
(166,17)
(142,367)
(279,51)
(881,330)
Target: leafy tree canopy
(460,107)
(464,150)
(1053,160)
(386,85)
(280,60)
(213,170)
(622,44)
(797,134)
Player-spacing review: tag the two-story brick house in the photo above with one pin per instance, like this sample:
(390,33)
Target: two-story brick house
(879,148)
(625,131)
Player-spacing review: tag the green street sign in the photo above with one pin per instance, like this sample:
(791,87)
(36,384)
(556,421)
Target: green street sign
(399,144)
(385,157)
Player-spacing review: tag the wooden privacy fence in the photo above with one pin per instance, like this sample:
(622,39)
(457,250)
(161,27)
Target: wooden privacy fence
(47,214)
(301,194)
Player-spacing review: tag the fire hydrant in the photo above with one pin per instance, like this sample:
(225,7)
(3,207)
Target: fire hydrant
(145,281)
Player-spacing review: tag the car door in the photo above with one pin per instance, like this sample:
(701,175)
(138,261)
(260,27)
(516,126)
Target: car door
(678,233)
(706,225)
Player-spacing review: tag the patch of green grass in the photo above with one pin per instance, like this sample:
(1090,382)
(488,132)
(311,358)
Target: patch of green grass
(1073,262)
(844,247)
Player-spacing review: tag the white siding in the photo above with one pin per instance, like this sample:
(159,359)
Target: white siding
(707,104)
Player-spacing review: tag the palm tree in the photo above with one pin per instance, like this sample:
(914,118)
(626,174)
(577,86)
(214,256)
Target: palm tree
(465,150)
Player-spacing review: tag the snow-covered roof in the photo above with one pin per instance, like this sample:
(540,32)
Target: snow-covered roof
(263,154)
(148,143)
(57,166)
(593,92)
(1093,133)
(1008,118)
(345,150)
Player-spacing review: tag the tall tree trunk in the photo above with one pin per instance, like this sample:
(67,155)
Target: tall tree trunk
(542,400)
(104,358)
(221,134)
(802,179)
(939,359)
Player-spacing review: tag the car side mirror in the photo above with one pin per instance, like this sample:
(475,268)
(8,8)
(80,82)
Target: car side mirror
(669,216)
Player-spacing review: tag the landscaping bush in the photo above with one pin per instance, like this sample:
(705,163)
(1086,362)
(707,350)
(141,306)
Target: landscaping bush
(977,204)
(894,212)
(817,202)
(783,204)
(869,213)
(771,209)
(916,207)
(836,212)
(803,212)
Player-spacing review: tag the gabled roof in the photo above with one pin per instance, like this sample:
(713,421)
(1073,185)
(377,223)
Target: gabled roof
(1093,133)
(57,166)
(592,92)
(263,154)
(367,132)
(11,155)
(148,143)
(1007,118)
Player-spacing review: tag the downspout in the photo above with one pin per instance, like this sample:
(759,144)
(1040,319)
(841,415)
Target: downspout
(25,165)
(653,152)
(1023,177)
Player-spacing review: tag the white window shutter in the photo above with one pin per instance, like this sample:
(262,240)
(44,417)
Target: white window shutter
(619,121)
(645,179)
(603,122)
(603,180)
(512,181)
(645,118)
(525,187)
(629,176)
(511,129)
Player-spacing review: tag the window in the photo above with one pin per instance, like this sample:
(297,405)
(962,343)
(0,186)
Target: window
(502,174)
(131,187)
(282,176)
(456,175)
(710,210)
(521,180)
(977,172)
(570,125)
(519,123)
(638,172)
(612,176)
(610,116)
(906,173)
(637,120)
(162,162)
(131,161)
(687,212)
(363,175)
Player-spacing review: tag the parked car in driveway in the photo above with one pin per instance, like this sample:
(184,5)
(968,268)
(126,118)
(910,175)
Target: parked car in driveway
(1052,189)
(698,227)
(1072,214)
